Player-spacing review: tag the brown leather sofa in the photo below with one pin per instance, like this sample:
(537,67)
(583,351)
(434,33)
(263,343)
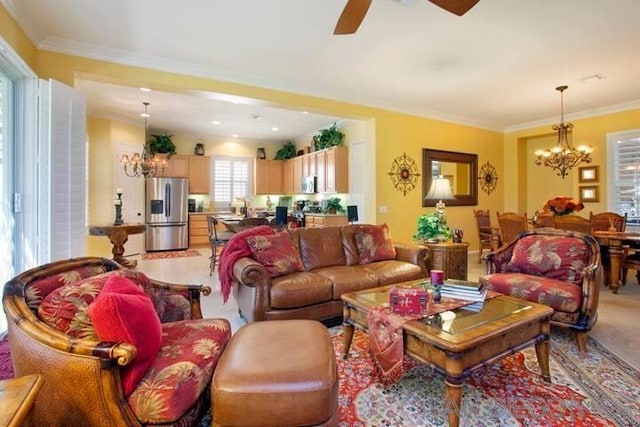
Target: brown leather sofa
(332,267)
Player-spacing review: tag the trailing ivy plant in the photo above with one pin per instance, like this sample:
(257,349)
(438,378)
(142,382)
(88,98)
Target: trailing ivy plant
(162,144)
(328,137)
(287,151)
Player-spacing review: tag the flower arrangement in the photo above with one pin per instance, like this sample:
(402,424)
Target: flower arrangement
(563,205)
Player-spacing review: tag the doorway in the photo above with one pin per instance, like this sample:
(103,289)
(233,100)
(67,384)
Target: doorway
(132,196)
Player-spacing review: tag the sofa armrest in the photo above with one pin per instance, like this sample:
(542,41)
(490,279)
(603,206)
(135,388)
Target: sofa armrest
(415,254)
(252,289)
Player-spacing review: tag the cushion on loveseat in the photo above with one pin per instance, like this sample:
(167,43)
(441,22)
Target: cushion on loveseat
(393,271)
(181,371)
(123,312)
(321,247)
(556,257)
(557,294)
(348,278)
(299,290)
(374,243)
(276,253)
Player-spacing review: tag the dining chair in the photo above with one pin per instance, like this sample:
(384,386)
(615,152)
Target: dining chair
(253,222)
(216,238)
(573,223)
(485,231)
(511,225)
(544,219)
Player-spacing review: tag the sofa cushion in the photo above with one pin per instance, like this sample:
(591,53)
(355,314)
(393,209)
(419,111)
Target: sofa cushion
(349,244)
(321,247)
(348,278)
(65,308)
(374,243)
(299,290)
(122,312)
(392,271)
(556,257)
(557,294)
(181,371)
(276,253)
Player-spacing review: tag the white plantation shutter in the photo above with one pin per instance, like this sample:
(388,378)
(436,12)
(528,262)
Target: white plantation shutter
(624,179)
(231,177)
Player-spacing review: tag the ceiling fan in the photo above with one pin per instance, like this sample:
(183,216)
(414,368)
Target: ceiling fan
(355,10)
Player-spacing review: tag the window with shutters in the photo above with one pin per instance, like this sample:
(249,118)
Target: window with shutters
(624,177)
(231,179)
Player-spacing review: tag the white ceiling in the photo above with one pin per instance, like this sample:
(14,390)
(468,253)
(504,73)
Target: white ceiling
(495,67)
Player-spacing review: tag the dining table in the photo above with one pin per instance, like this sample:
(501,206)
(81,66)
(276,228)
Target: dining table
(614,241)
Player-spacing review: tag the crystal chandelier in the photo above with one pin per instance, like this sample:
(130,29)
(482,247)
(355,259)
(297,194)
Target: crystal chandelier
(145,164)
(563,156)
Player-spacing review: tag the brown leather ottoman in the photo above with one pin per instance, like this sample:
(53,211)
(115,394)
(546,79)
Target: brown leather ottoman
(276,373)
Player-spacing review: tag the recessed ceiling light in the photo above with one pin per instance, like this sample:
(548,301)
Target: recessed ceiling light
(235,135)
(216,122)
(145,89)
(275,129)
(305,112)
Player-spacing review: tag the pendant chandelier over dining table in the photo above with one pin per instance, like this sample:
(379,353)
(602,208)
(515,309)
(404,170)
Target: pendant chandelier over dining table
(144,164)
(563,156)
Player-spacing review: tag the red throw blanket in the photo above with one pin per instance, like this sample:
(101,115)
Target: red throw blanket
(236,248)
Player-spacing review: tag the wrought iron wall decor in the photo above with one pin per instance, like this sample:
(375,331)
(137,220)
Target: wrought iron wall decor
(488,178)
(404,173)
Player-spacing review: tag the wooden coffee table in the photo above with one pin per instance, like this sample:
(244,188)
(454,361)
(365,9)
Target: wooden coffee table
(456,343)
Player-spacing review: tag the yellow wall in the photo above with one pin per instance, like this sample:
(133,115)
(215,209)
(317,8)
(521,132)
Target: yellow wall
(520,167)
(13,34)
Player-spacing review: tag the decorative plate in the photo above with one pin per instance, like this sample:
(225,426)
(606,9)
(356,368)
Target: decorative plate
(404,173)
(488,178)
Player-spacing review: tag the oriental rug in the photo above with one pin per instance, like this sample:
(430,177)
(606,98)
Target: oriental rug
(170,254)
(597,389)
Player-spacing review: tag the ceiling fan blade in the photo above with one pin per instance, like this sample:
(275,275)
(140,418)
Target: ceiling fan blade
(458,7)
(351,17)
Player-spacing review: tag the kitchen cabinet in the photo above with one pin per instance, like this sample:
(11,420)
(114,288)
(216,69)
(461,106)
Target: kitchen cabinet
(199,176)
(198,230)
(321,171)
(297,174)
(177,166)
(324,220)
(268,176)
(449,257)
(337,170)
(287,177)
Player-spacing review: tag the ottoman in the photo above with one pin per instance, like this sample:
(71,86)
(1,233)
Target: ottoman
(276,373)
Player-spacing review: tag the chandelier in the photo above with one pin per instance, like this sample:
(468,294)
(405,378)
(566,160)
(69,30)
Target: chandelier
(143,164)
(563,156)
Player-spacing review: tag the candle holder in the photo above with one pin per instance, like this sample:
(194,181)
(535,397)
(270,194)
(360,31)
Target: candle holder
(118,205)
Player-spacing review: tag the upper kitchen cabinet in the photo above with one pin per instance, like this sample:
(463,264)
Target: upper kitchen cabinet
(337,170)
(199,174)
(268,176)
(177,167)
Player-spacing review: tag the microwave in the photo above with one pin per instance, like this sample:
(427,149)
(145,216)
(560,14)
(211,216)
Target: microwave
(309,184)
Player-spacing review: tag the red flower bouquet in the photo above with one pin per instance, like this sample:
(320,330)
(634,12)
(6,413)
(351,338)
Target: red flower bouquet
(563,205)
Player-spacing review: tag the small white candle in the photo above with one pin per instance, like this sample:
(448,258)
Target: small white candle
(117,202)
(118,190)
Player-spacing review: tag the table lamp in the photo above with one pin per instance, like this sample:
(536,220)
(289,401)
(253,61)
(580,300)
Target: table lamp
(440,190)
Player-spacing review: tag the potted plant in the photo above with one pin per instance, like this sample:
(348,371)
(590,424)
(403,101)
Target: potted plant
(328,138)
(432,227)
(162,144)
(287,151)
(333,206)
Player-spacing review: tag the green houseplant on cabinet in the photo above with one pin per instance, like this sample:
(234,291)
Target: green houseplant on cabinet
(333,206)
(287,151)
(432,227)
(329,137)
(162,144)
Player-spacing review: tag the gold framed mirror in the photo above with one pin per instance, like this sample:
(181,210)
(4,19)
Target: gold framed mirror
(461,169)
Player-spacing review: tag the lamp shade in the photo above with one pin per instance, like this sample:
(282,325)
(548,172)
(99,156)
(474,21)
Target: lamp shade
(440,190)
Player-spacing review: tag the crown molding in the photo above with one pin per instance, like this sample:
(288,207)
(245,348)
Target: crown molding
(17,13)
(600,111)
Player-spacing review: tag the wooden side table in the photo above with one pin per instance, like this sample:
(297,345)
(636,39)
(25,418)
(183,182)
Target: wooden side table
(449,257)
(118,235)
(17,396)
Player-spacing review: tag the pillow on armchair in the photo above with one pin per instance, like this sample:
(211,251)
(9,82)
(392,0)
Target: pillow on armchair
(123,312)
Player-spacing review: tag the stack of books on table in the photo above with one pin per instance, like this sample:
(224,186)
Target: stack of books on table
(468,291)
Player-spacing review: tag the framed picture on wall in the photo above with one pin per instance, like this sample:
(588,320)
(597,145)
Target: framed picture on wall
(589,193)
(588,174)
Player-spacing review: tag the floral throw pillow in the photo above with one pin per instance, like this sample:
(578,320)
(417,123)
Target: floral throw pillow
(374,243)
(276,253)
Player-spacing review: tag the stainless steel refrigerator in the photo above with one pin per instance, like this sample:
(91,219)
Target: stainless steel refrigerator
(166,214)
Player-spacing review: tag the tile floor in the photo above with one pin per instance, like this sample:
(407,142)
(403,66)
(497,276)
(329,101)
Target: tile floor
(618,326)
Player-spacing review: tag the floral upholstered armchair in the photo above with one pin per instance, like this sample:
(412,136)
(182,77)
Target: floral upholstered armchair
(115,348)
(558,268)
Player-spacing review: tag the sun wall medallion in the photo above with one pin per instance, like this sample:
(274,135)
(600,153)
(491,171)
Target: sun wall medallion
(488,178)
(404,173)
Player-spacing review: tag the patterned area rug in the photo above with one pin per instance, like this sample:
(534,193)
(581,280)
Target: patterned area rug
(170,254)
(597,389)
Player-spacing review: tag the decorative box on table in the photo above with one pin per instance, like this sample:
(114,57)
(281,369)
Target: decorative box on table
(408,299)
